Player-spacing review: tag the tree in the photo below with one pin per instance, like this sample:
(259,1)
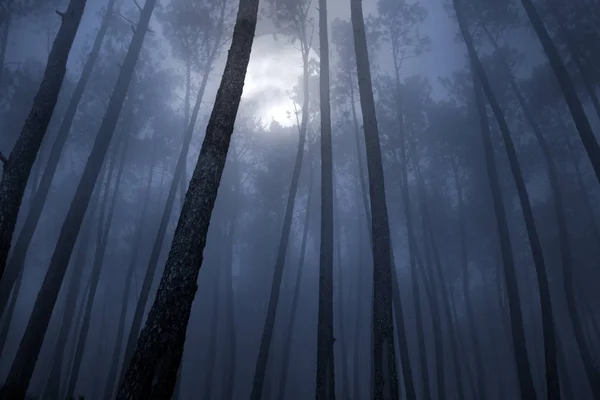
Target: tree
(527,388)
(562,75)
(162,339)
(213,42)
(17,166)
(383,323)
(291,17)
(31,342)
(325,388)
(19,251)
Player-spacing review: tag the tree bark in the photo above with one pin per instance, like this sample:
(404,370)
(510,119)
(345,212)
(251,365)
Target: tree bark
(162,339)
(17,168)
(325,387)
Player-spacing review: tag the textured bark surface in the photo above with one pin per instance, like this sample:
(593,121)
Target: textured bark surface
(325,388)
(22,367)
(162,339)
(384,356)
(20,161)
(19,251)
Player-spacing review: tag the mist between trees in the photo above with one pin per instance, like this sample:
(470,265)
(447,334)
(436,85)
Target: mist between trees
(357,199)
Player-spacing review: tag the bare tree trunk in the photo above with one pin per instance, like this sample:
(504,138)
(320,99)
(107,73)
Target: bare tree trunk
(52,388)
(149,276)
(592,372)
(411,252)
(186,118)
(258,382)
(289,332)
(31,342)
(17,166)
(551,365)
(19,251)
(385,376)
(109,388)
(212,340)
(104,225)
(562,75)
(480,370)
(162,339)
(325,386)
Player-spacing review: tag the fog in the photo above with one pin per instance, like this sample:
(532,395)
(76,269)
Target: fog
(295,199)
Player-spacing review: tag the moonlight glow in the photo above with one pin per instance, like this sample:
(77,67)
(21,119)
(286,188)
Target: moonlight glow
(275,68)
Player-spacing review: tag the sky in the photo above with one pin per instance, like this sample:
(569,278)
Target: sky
(275,64)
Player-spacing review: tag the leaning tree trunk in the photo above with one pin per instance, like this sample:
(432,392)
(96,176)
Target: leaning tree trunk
(17,166)
(385,376)
(593,375)
(104,225)
(480,370)
(549,334)
(22,368)
(411,250)
(52,388)
(289,332)
(527,389)
(258,382)
(325,386)
(19,251)
(162,339)
(562,75)
(149,276)
(136,245)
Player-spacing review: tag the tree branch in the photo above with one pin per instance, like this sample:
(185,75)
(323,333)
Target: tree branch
(60,14)
(137,4)
(3,159)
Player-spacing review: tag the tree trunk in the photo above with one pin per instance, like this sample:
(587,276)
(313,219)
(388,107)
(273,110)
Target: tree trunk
(19,251)
(162,339)
(267,334)
(289,332)
(149,276)
(186,118)
(212,340)
(592,372)
(480,370)
(114,362)
(385,376)
(325,387)
(52,388)
(562,75)
(20,161)
(104,225)
(412,248)
(31,342)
